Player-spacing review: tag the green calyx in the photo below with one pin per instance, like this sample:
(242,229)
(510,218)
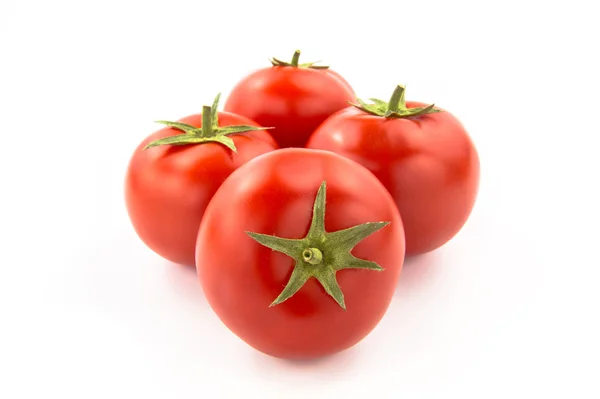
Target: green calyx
(395,108)
(294,63)
(321,254)
(209,132)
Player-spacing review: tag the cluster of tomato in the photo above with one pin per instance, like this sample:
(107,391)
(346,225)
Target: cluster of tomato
(298,203)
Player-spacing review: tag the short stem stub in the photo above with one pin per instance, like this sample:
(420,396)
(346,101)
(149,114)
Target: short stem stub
(295,58)
(314,256)
(397,99)
(207,122)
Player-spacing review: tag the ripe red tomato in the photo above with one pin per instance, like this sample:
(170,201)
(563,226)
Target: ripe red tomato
(424,158)
(169,186)
(293,98)
(268,252)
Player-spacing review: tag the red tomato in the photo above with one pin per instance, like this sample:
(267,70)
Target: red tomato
(427,162)
(292,99)
(270,200)
(168,187)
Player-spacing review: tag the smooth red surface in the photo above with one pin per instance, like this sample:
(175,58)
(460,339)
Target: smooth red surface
(292,100)
(428,164)
(168,187)
(274,195)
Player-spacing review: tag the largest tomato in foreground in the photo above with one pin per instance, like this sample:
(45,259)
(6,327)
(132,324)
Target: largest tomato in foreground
(422,155)
(291,97)
(299,252)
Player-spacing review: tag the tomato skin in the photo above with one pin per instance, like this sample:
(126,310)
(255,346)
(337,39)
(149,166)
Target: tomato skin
(167,187)
(428,163)
(274,194)
(292,100)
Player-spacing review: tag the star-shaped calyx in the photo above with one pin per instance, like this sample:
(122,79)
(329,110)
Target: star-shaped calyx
(321,254)
(295,62)
(209,132)
(395,108)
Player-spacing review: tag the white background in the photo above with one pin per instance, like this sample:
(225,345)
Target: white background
(508,309)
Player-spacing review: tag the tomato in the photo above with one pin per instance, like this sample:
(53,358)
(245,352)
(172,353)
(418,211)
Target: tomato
(293,98)
(422,155)
(169,185)
(281,271)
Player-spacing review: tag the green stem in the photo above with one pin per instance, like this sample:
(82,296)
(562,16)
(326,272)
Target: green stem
(395,108)
(314,256)
(207,127)
(210,131)
(295,62)
(397,99)
(295,58)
